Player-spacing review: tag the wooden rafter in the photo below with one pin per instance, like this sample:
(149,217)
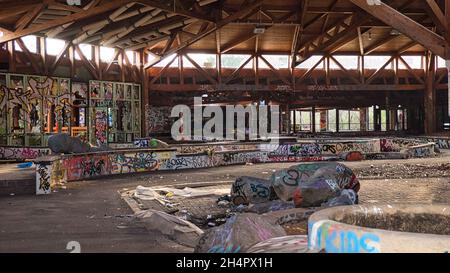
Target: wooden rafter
(239,69)
(163,70)
(31,57)
(375,74)
(345,70)
(436,14)
(275,71)
(169,6)
(410,70)
(58,58)
(29,17)
(86,63)
(201,70)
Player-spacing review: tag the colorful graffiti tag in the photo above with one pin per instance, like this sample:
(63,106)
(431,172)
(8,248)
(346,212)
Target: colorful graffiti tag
(43,178)
(158,120)
(101,127)
(22,153)
(334,238)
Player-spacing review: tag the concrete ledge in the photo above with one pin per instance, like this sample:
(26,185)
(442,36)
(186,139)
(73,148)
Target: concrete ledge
(381,228)
(51,171)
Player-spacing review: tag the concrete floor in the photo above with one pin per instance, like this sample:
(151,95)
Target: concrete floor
(92,213)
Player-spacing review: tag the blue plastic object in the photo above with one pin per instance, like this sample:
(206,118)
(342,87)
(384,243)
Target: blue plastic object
(25,165)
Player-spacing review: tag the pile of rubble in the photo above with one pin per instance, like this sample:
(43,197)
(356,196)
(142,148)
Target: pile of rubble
(243,221)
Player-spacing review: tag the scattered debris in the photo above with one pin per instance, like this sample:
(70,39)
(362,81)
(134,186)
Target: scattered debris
(239,233)
(286,244)
(246,190)
(177,229)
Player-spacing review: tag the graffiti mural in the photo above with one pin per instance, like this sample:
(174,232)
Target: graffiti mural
(101,127)
(21,153)
(33,106)
(80,167)
(158,120)
(80,94)
(122,111)
(136,162)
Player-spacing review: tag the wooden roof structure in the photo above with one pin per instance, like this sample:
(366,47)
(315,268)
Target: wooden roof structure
(299,28)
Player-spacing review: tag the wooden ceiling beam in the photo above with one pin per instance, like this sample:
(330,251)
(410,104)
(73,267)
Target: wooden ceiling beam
(239,40)
(236,72)
(30,56)
(385,39)
(66,19)
(169,6)
(201,70)
(275,71)
(59,57)
(405,25)
(345,70)
(436,14)
(410,70)
(30,16)
(372,77)
(90,67)
(113,61)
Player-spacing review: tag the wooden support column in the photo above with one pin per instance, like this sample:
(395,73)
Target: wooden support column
(447,48)
(323,120)
(145,93)
(181,68)
(377,119)
(337,120)
(72,61)
(11,56)
(97,62)
(363,119)
(388,113)
(295,121)
(313,119)
(42,48)
(430,97)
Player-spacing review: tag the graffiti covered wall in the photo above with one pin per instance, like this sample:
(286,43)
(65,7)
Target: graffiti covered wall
(31,107)
(85,166)
(22,153)
(158,120)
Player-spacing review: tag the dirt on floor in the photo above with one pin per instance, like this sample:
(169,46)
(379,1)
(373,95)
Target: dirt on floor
(406,170)
(296,228)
